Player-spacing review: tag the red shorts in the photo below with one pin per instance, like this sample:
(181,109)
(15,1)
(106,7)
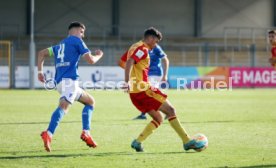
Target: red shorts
(148,100)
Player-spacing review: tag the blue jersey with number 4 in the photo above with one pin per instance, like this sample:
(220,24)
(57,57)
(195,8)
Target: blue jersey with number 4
(67,55)
(156,54)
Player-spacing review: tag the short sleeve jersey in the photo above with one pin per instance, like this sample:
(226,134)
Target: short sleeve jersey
(67,55)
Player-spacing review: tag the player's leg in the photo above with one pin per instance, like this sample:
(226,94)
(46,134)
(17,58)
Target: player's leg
(58,114)
(154,81)
(68,94)
(156,121)
(170,112)
(142,116)
(55,119)
(148,130)
(87,112)
(150,101)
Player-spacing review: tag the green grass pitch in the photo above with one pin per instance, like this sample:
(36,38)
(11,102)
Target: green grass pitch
(240,126)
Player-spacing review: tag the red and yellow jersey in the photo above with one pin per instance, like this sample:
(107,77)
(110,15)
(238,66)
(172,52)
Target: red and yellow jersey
(139,72)
(273,53)
(123,60)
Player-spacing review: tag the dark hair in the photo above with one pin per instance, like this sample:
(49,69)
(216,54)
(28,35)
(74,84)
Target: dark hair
(153,32)
(76,24)
(272,32)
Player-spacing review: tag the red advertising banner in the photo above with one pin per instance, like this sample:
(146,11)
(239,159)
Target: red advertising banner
(252,77)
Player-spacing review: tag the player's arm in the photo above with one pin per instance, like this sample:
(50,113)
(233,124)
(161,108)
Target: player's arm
(123,59)
(42,54)
(92,59)
(166,64)
(128,67)
(272,60)
(122,64)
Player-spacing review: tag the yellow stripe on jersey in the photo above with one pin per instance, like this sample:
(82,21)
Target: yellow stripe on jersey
(156,96)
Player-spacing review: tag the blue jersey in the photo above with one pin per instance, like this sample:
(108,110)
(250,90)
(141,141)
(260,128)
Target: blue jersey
(67,55)
(156,54)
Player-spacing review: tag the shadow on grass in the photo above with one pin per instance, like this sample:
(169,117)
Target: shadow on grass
(66,155)
(35,151)
(258,166)
(105,154)
(226,121)
(120,122)
(254,166)
(168,153)
(27,123)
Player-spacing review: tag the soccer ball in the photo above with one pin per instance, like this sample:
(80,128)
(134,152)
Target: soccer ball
(201,142)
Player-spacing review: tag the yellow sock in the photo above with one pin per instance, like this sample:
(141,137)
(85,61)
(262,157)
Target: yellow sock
(179,129)
(148,130)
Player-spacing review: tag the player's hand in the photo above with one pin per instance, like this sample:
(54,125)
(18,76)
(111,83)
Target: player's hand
(41,77)
(99,53)
(125,87)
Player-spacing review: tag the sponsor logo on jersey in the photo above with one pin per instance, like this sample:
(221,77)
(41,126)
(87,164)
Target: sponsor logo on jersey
(62,64)
(139,53)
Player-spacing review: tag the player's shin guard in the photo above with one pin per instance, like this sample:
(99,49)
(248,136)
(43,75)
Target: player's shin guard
(174,122)
(56,118)
(148,130)
(86,117)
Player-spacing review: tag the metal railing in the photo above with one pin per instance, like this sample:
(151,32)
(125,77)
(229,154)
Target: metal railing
(197,54)
(241,46)
(252,35)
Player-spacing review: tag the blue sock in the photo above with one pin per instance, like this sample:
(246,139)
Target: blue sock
(87,116)
(56,117)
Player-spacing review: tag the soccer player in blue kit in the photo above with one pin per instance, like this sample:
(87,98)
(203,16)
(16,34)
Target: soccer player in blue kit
(67,55)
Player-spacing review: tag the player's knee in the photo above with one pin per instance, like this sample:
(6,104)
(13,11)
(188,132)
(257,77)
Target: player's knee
(171,111)
(91,101)
(159,120)
(64,105)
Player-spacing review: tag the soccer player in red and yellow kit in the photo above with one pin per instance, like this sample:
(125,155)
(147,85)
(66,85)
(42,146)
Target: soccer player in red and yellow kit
(147,98)
(272,40)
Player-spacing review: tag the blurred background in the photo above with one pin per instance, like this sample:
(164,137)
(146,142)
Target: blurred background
(197,34)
